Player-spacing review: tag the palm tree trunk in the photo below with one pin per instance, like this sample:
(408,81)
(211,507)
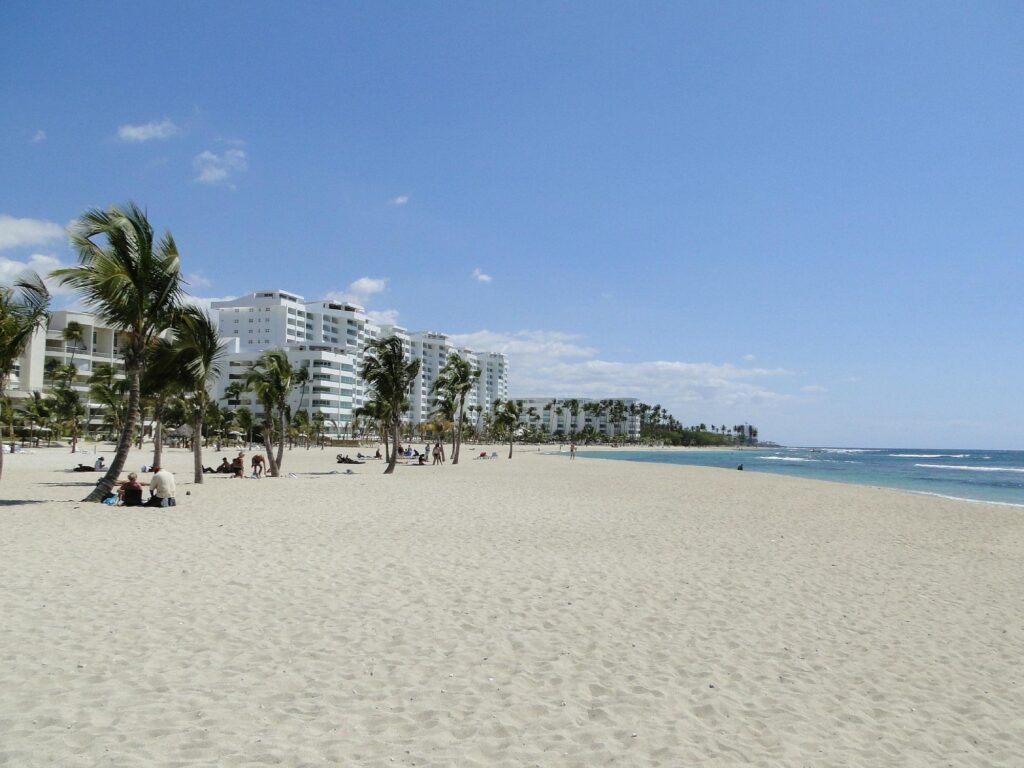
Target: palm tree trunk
(268,443)
(124,443)
(158,433)
(280,443)
(394,441)
(510,440)
(197,450)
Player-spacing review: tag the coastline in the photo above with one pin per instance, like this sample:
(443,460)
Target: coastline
(503,613)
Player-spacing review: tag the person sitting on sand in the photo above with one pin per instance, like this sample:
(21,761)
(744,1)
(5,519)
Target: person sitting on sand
(161,488)
(99,465)
(377,454)
(225,466)
(238,465)
(421,459)
(257,465)
(130,492)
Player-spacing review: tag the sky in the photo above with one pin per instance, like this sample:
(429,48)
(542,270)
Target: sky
(803,216)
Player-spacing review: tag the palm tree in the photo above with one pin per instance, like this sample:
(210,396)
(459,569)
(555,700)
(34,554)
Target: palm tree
(109,391)
(198,355)
(270,378)
(389,374)
(457,379)
(377,412)
(133,284)
(23,310)
(245,422)
(506,419)
(37,412)
(73,333)
(445,408)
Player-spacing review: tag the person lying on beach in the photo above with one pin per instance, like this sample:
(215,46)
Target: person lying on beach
(84,468)
(346,460)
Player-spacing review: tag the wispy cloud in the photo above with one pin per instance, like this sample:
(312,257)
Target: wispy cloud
(481,277)
(400,200)
(204,302)
(135,134)
(42,264)
(551,363)
(813,389)
(749,358)
(359,291)
(39,136)
(196,280)
(383,316)
(219,170)
(26,233)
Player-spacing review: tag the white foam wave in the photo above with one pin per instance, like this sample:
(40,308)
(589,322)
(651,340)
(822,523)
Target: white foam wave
(966,468)
(849,450)
(972,501)
(930,455)
(788,458)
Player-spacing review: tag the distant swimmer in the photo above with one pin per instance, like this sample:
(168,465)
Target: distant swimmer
(740,467)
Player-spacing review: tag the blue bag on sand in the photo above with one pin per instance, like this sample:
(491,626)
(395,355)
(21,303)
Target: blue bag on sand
(110,499)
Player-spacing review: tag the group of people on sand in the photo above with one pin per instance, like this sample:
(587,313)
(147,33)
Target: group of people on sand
(128,492)
(236,467)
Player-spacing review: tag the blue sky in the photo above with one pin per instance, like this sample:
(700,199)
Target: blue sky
(807,216)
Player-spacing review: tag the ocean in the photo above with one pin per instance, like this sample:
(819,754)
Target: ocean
(973,475)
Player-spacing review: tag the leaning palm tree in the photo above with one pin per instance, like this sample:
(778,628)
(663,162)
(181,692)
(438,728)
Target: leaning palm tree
(133,284)
(200,355)
(457,379)
(270,378)
(506,419)
(389,374)
(22,312)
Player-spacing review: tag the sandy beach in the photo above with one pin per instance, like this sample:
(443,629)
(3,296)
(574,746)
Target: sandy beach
(532,612)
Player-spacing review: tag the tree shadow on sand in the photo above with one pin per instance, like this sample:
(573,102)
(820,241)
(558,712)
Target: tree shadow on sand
(18,502)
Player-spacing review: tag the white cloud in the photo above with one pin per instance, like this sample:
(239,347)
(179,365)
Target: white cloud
(383,316)
(39,136)
(25,233)
(813,389)
(481,277)
(204,302)
(218,170)
(400,200)
(359,291)
(365,286)
(40,263)
(196,280)
(749,358)
(549,363)
(135,134)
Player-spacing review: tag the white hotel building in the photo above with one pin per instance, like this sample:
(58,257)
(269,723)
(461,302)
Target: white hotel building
(555,416)
(330,337)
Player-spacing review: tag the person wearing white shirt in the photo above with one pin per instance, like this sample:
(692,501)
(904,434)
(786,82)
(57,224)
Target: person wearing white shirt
(161,489)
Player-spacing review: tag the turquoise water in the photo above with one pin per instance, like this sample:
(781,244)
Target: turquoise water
(994,476)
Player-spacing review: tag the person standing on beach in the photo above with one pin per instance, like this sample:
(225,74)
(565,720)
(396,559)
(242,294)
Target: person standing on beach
(572,451)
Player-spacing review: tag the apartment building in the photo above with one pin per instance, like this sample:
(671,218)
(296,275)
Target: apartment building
(572,416)
(331,337)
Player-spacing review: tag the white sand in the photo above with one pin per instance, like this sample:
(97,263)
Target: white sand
(506,613)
